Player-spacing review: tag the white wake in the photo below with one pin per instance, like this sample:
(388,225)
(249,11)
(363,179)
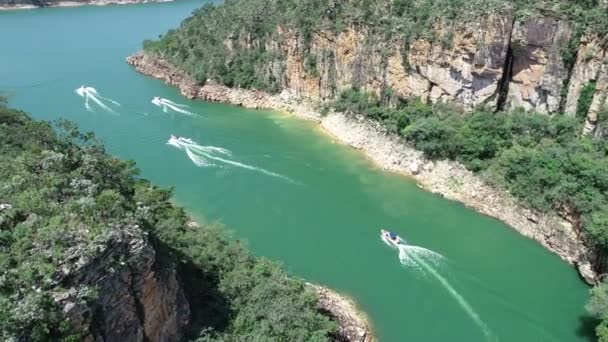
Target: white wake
(204,155)
(90,94)
(423,260)
(167,105)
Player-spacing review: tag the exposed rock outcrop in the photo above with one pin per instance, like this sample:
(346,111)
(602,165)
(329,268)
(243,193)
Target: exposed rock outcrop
(353,326)
(590,67)
(392,153)
(538,70)
(468,71)
(138,295)
(498,61)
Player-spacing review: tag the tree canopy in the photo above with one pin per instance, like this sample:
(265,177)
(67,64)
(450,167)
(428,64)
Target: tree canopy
(61,192)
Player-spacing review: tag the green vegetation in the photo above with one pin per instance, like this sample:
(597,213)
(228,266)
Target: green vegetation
(237,42)
(66,194)
(585,99)
(542,160)
(598,307)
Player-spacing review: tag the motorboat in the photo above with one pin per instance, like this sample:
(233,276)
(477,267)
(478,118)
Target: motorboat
(174,140)
(390,238)
(157,101)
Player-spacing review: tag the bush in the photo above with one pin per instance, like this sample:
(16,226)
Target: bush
(585,99)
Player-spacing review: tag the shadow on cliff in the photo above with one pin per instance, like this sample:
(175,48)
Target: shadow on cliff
(586,327)
(209,309)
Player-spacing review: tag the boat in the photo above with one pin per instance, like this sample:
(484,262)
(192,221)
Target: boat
(390,238)
(157,101)
(174,140)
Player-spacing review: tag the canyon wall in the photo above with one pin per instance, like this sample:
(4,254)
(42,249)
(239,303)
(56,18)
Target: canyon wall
(498,61)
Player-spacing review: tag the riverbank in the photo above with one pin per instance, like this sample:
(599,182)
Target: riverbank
(21,6)
(353,325)
(392,153)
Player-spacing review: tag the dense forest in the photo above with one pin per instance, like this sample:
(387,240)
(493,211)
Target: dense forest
(61,194)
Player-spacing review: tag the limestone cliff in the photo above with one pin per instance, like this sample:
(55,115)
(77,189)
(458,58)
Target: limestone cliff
(139,298)
(498,60)
(590,68)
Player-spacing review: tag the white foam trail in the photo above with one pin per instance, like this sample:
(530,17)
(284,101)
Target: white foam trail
(90,93)
(409,255)
(208,149)
(166,104)
(90,90)
(177,109)
(99,103)
(86,104)
(175,104)
(108,99)
(197,160)
(201,154)
(253,168)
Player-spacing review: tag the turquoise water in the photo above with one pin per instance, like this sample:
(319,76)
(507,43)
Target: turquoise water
(491,284)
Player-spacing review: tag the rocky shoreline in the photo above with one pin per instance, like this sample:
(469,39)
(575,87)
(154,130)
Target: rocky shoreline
(392,153)
(352,323)
(41,4)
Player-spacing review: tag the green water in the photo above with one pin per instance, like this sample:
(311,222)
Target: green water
(324,225)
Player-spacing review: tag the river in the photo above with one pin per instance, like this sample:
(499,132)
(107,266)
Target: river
(323,222)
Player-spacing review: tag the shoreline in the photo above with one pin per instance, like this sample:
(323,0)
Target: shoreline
(353,324)
(392,153)
(15,7)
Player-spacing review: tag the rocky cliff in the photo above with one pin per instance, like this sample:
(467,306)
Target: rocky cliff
(391,152)
(500,60)
(139,299)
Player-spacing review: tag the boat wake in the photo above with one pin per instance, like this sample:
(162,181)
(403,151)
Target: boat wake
(168,105)
(205,156)
(426,260)
(91,95)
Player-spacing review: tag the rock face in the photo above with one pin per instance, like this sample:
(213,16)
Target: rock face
(498,61)
(139,297)
(391,152)
(469,71)
(538,71)
(590,67)
(352,325)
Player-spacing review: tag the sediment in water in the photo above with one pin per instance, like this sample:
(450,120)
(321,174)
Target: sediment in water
(561,235)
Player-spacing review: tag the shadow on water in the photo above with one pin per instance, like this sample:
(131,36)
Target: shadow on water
(586,327)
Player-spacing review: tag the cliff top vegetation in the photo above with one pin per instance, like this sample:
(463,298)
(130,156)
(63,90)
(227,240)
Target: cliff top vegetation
(63,200)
